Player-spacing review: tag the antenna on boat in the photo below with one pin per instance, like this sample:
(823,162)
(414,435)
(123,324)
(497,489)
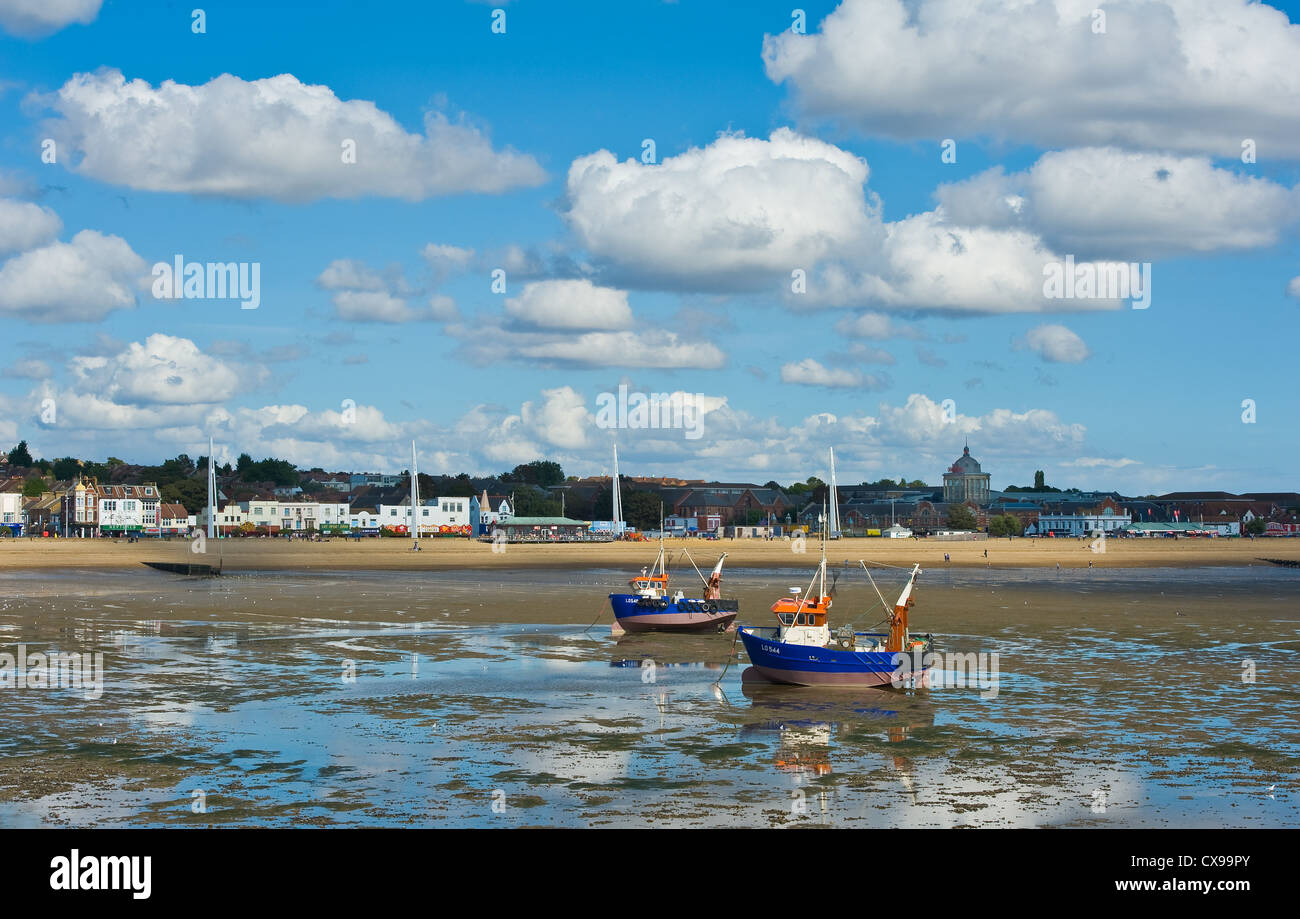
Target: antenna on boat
(661,538)
(821,568)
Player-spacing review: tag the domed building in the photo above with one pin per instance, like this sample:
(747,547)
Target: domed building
(965,482)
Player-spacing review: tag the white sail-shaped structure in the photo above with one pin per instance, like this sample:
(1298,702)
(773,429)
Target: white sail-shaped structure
(618,498)
(212,492)
(833,524)
(415,501)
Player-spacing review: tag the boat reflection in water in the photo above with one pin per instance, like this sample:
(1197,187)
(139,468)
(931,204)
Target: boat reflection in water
(806,724)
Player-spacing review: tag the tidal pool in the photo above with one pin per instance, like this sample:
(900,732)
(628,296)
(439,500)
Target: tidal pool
(1154,697)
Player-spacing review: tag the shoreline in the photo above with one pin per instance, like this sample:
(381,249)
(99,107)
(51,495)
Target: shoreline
(237,555)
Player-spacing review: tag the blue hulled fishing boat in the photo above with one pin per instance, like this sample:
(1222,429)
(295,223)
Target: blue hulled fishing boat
(803,651)
(651,607)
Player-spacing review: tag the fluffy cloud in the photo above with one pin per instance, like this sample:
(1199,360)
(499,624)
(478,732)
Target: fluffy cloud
(78,281)
(274,138)
(1106,203)
(24,225)
(570,305)
(362,294)
(744,214)
(875,326)
(651,348)
(1057,344)
(734,214)
(36,18)
(1293,288)
(928,263)
(1187,75)
(162,370)
(446,260)
(809,372)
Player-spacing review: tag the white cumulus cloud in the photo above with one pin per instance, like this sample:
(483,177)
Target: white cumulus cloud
(24,225)
(1108,203)
(576,304)
(37,18)
(82,280)
(271,138)
(732,214)
(1189,75)
(1057,344)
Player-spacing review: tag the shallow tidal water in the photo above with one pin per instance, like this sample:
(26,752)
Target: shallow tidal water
(467,699)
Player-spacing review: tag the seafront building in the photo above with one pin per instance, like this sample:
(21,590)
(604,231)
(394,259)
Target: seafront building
(373,504)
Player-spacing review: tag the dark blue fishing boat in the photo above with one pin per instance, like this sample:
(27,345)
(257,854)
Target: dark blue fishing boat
(803,651)
(651,608)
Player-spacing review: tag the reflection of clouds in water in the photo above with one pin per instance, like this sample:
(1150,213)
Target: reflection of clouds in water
(544,699)
(182,715)
(933,794)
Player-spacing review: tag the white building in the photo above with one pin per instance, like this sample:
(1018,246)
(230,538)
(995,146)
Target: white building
(295,516)
(229,518)
(1083,524)
(433,516)
(128,508)
(490,515)
(11,511)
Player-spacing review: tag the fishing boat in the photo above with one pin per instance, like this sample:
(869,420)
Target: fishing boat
(652,607)
(803,651)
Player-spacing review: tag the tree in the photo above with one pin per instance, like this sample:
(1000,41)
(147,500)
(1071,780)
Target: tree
(1040,481)
(34,487)
(538,472)
(960,517)
(1256,527)
(1005,525)
(192,493)
(533,502)
(66,468)
(276,471)
(19,455)
(641,510)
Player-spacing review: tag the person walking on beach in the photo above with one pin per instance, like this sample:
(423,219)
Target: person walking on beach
(947,557)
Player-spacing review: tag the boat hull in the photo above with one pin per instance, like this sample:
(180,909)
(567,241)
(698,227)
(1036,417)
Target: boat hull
(641,614)
(809,665)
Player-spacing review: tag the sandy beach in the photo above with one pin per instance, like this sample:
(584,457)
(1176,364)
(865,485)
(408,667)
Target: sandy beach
(451,554)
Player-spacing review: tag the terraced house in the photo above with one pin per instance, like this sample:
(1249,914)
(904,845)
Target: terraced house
(128,509)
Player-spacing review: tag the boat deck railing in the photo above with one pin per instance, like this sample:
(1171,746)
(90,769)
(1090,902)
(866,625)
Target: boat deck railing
(768,631)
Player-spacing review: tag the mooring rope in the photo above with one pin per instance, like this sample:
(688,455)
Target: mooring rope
(730,655)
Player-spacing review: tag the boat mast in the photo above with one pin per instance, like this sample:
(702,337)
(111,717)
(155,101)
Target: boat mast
(212,493)
(660,560)
(821,568)
(415,500)
(898,625)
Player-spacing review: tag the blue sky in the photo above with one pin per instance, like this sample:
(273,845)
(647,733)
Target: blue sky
(671,275)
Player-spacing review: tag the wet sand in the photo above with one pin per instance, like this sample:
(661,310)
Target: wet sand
(485,699)
(447,554)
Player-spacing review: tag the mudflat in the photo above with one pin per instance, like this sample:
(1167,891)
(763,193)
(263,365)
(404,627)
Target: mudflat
(241,554)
